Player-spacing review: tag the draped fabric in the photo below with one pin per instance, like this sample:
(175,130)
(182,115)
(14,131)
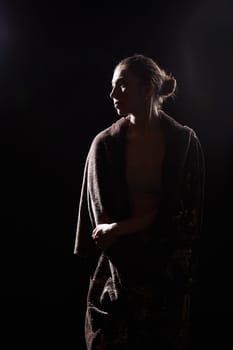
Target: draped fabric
(140,293)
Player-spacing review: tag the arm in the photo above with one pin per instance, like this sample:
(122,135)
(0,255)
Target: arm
(135,224)
(105,234)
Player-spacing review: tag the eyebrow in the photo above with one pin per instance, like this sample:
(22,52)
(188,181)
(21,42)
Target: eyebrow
(120,79)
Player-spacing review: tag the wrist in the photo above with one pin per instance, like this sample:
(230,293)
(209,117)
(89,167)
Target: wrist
(115,229)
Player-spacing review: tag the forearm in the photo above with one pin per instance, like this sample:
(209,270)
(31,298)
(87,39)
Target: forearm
(104,235)
(135,224)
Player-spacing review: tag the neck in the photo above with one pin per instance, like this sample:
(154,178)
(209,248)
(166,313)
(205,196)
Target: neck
(145,120)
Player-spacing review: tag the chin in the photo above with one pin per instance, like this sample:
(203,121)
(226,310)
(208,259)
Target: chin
(121,113)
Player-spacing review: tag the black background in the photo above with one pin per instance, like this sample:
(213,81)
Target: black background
(56,63)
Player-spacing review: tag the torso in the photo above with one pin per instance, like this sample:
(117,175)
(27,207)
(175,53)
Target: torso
(145,154)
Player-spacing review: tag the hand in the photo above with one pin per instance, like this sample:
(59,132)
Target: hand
(104,235)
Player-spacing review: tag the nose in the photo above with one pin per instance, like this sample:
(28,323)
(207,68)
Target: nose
(113,93)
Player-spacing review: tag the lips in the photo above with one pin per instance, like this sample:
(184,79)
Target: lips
(116,104)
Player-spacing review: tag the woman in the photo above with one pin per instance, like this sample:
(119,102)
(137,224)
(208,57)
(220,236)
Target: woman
(139,217)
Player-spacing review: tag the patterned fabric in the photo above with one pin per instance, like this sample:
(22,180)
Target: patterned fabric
(134,315)
(140,294)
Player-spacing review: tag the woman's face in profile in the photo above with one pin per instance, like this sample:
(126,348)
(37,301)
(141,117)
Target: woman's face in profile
(128,93)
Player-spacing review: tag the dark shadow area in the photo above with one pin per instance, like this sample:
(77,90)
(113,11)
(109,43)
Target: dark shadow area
(56,68)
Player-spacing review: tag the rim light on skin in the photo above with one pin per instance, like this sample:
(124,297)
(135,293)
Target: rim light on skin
(132,98)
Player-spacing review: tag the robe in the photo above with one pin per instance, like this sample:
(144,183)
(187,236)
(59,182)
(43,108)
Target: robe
(140,293)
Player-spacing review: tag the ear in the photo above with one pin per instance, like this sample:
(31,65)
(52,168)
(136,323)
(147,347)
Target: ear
(148,90)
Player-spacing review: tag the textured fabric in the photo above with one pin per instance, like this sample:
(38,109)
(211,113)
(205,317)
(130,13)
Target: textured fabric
(141,293)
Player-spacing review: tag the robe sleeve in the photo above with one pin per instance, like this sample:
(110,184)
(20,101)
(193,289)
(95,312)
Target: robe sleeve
(189,217)
(85,224)
(93,198)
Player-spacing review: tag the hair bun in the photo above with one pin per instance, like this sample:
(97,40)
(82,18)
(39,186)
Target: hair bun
(168,86)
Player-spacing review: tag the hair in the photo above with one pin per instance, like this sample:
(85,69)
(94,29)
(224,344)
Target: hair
(149,72)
